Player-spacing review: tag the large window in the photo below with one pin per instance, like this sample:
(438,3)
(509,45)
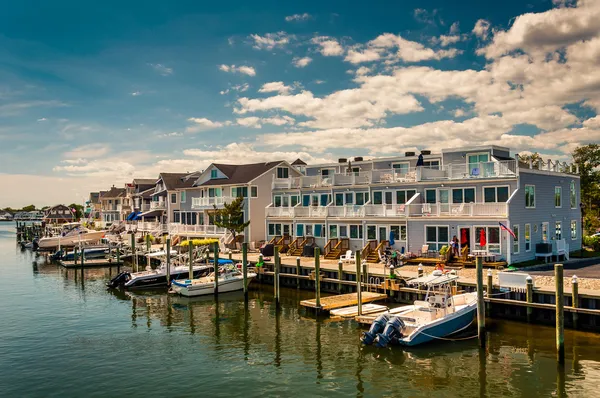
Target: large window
(527,237)
(277,202)
(377,197)
(349,198)
(283,172)
(436,236)
(399,232)
(491,236)
(432,164)
(557,197)
(238,192)
(530,196)
(371,232)
(299,230)
(404,196)
(463,195)
(474,162)
(573,195)
(401,168)
(339,199)
(573,229)
(356,231)
(516,247)
(319,230)
(362,198)
(215,192)
(557,230)
(183,196)
(430,196)
(495,194)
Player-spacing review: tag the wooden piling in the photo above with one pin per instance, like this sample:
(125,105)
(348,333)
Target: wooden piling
(82,257)
(245,268)
(216,266)
(480,302)
(168,261)
(230,254)
(298,272)
(529,297)
(358,285)
(133,253)
(560,313)
(75,255)
(420,271)
(318,276)
(340,275)
(276,266)
(490,289)
(118,252)
(191,264)
(575,297)
(148,243)
(259,267)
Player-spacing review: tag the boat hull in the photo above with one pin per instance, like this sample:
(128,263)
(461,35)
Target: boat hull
(203,289)
(160,280)
(67,241)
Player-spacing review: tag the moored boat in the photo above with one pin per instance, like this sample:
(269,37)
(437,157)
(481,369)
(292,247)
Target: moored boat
(229,279)
(72,234)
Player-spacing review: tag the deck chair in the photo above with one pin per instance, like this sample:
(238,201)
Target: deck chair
(458,210)
(348,257)
(424,251)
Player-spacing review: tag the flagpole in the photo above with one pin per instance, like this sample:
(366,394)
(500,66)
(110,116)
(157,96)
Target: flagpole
(508,247)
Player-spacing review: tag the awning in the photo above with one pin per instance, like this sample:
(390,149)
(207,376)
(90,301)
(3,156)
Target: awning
(151,213)
(132,215)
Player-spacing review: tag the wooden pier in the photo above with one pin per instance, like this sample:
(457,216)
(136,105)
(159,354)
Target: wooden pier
(343,300)
(96,262)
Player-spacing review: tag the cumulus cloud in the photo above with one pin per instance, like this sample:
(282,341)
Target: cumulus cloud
(298,17)
(328,46)
(257,122)
(397,48)
(203,124)
(278,87)
(481,29)
(246,70)
(301,62)
(455,28)
(270,40)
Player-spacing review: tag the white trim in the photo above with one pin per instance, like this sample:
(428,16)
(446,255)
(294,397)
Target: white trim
(534,196)
(554,197)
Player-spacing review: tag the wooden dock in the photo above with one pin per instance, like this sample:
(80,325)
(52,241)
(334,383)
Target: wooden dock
(343,300)
(95,262)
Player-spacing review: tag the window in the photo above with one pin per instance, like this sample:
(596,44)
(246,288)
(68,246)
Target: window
(278,229)
(299,230)
(176,216)
(215,192)
(285,202)
(401,168)
(271,229)
(573,195)
(339,199)
(530,196)
(430,196)
(404,196)
(314,200)
(399,232)
(495,194)
(349,198)
(238,192)
(214,174)
(474,161)
(557,197)
(305,200)
(388,197)
(325,199)
(183,196)
(294,199)
(356,171)
(277,201)
(343,231)
(371,232)
(356,231)
(377,197)
(492,239)
(333,232)
(254,192)
(362,198)
(573,229)
(432,164)
(282,172)
(544,232)
(436,236)
(527,237)
(515,230)
(319,230)
(463,195)
(309,229)
(557,230)
(173,198)
(201,218)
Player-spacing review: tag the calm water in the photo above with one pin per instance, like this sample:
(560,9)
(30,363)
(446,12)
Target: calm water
(63,334)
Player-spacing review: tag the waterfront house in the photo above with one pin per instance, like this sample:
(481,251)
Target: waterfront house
(5,216)
(59,214)
(359,204)
(92,207)
(111,206)
(222,183)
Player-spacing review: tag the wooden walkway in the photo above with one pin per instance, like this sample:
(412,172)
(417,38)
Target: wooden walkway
(343,300)
(96,262)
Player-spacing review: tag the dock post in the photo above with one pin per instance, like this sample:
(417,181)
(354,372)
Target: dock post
(148,244)
(529,297)
(298,272)
(260,267)
(168,261)
(133,253)
(82,257)
(75,255)
(575,297)
(340,275)
(118,255)
(560,313)
(358,285)
(480,303)
(365,274)
(245,268)
(191,254)
(490,289)
(318,276)
(276,267)
(230,254)
(420,270)
(216,266)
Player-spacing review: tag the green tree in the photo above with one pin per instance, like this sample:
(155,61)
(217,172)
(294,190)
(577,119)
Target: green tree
(231,217)
(78,210)
(28,208)
(587,157)
(534,157)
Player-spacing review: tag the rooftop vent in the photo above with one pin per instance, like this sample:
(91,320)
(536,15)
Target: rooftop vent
(342,160)
(425,152)
(358,158)
(409,154)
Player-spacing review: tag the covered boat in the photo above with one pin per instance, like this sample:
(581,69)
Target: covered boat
(229,279)
(72,234)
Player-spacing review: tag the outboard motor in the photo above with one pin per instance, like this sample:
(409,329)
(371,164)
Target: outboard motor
(35,244)
(392,333)
(376,327)
(57,256)
(119,280)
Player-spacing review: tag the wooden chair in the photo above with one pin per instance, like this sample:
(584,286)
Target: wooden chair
(424,251)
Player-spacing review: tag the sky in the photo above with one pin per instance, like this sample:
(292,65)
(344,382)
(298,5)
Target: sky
(97,93)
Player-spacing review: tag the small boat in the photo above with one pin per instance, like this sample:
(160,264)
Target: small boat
(230,279)
(91,252)
(441,314)
(72,234)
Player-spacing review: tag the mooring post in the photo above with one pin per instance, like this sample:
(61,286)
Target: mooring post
(529,297)
(575,297)
(230,254)
(216,266)
(490,289)
(298,272)
(168,261)
(276,273)
(480,303)
(133,253)
(191,254)
(420,270)
(148,244)
(75,255)
(82,257)
(245,268)
(358,285)
(392,277)
(317,277)
(365,273)
(118,252)
(260,267)
(340,274)
(560,313)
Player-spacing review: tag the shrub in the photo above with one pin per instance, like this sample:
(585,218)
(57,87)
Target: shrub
(592,242)
(199,242)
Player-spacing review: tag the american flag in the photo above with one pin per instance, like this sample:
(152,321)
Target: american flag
(502,226)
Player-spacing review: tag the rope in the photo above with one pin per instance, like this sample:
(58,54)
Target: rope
(459,339)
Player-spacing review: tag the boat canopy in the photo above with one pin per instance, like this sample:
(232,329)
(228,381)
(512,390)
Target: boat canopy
(151,213)
(161,253)
(433,280)
(222,261)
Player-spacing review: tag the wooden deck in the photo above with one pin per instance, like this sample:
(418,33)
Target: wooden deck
(455,263)
(96,262)
(343,300)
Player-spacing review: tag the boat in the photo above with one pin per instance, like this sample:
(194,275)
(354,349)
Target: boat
(71,234)
(229,279)
(441,314)
(91,252)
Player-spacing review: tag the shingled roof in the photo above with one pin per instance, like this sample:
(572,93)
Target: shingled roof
(113,192)
(299,162)
(178,180)
(240,173)
(144,181)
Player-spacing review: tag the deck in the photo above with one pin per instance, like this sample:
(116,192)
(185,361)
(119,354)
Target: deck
(455,263)
(96,262)
(343,300)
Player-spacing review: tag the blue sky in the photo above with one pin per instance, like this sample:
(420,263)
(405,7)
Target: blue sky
(95,94)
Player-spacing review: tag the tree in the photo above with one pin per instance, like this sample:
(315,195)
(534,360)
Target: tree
(28,208)
(231,217)
(587,157)
(534,157)
(78,210)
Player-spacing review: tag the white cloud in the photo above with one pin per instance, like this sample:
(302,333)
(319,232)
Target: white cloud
(270,40)
(172,134)
(396,48)
(43,119)
(136,93)
(481,29)
(298,17)
(455,28)
(278,87)
(162,69)
(203,124)
(238,87)
(257,122)
(89,151)
(16,108)
(246,70)
(301,62)
(445,40)
(328,47)
(367,55)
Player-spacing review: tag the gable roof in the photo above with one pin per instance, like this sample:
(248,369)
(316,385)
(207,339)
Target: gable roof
(299,162)
(144,181)
(178,180)
(94,197)
(147,193)
(113,192)
(240,173)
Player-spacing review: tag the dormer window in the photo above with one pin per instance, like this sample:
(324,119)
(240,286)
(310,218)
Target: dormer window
(283,172)
(213,174)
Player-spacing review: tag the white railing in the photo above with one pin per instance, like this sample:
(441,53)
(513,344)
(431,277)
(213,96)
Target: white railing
(161,204)
(346,211)
(176,228)
(460,171)
(209,202)
(145,207)
(281,183)
(147,225)
(458,210)
(280,211)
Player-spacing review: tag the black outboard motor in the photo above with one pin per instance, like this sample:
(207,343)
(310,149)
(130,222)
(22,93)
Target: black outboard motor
(119,280)
(376,327)
(35,244)
(392,332)
(57,256)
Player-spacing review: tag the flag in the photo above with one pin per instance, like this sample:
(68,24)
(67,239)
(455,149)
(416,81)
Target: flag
(502,226)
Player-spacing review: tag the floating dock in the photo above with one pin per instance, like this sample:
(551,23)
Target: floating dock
(95,262)
(343,300)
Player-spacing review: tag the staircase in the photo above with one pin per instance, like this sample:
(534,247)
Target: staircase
(225,240)
(274,240)
(284,243)
(299,248)
(340,248)
(373,255)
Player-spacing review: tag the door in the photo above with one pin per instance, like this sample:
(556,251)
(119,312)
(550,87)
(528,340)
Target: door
(383,233)
(444,201)
(544,232)
(464,240)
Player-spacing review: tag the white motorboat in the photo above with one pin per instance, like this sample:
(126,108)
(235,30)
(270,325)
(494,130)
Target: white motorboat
(71,234)
(229,279)
(441,314)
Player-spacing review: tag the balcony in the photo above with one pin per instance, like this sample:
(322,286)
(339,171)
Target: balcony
(219,201)
(207,230)
(145,207)
(463,171)
(158,205)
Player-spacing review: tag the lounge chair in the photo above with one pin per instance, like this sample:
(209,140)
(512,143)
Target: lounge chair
(424,251)
(348,257)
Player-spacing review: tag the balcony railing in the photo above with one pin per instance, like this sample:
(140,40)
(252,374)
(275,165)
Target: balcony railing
(159,205)
(145,207)
(461,171)
(212,230)
(198,203)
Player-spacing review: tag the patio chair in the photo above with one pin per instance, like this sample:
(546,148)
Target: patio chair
(348,257)
(424,251)
(475,172)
